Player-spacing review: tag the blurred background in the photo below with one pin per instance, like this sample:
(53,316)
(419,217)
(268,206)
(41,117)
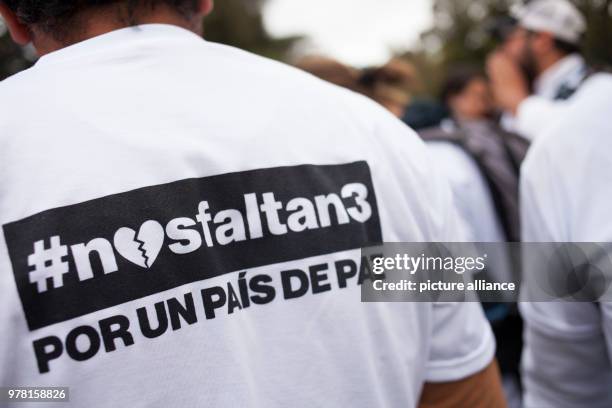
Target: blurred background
(431,34)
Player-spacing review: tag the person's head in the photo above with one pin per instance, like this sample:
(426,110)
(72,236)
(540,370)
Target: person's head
(467,95)
(54,24)
(546,32)
(388,85)
(330,70)
(391,85)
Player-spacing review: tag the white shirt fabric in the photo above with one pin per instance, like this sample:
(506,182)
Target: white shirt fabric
(541,108)
(565,197)
(156,104)
(470,191)
(474,203)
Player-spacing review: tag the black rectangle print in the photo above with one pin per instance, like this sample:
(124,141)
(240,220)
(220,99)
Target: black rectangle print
(102,219)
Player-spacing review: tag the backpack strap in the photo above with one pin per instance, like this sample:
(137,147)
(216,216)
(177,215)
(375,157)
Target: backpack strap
(504,201)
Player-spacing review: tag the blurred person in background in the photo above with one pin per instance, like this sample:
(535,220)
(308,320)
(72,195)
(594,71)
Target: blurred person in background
(467,94)
(129,120)
(539,65)
(331,71)
(482,163)
(496,156)
(390,85)
(566,191)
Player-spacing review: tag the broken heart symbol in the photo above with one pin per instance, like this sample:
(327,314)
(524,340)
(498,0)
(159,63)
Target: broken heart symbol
(141,249)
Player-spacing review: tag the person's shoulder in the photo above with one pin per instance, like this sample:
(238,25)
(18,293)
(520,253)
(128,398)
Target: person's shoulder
(594,95)
(257,69)
(599,83)
(20,86)
(284,75)
(17,81)
(578,135)
(588,108)
(14,93)
(284,83)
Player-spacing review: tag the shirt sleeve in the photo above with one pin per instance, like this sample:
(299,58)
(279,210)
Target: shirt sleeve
(462,342)
(564,363)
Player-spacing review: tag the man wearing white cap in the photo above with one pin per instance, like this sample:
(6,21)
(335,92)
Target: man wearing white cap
(544,46)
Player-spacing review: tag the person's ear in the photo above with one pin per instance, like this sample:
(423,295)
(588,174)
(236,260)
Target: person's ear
(19,31)
(206,7)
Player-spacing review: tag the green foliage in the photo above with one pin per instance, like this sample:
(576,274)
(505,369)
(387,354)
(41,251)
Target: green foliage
(459,34)
(458,37)
(240,23)
(599,37)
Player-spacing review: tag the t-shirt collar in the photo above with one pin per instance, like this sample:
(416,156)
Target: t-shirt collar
(149,32)
(556,76)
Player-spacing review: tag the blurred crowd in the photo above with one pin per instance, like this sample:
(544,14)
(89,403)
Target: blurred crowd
(481,125)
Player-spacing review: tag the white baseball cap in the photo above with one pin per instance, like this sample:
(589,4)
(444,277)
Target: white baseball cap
(558,17)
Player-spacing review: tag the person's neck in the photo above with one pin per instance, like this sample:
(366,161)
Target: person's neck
(101,23)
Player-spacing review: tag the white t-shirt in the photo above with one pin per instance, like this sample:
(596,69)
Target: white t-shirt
(541,109)
(182,223)
(470,191)
(566,193)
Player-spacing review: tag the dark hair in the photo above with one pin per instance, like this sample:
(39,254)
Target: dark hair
(57,17)
(500,28)
(330,70)
(457,80)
